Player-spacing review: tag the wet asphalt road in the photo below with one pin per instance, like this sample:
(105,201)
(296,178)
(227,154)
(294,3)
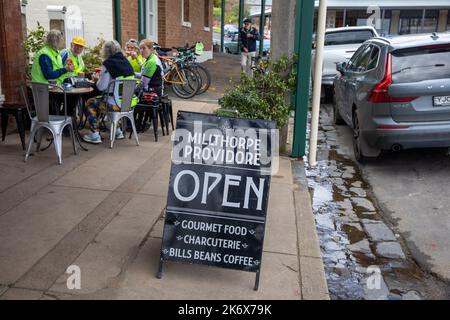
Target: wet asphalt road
(412,188)
(359,230)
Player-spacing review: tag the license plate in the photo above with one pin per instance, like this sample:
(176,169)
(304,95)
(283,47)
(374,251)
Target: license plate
(441,101)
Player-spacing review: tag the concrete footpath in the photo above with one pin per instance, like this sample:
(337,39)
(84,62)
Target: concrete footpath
(103,210)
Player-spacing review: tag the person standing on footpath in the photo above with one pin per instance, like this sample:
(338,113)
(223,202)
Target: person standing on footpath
(248,36)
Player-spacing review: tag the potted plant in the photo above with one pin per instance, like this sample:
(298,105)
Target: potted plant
(93,58)
(263,95)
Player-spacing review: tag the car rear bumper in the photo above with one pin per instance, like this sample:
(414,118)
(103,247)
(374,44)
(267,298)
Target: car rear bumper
(423,135)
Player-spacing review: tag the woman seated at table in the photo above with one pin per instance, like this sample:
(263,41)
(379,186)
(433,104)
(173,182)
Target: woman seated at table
(48,63)
(115,65)
(152,72)
(134,56)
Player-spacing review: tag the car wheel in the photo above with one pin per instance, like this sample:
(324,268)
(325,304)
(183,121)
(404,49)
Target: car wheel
(357,141)
(329,94)
(336,115)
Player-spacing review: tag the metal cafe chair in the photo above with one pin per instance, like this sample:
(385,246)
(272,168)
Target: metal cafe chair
(41,118)
(123,93)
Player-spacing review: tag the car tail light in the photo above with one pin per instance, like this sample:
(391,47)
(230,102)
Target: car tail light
(437,46)
(379,93)
(396,127)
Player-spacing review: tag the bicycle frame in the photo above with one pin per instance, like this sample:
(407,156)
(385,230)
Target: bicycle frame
(173,68)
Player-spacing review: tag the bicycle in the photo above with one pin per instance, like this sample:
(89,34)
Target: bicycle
(190,57)
(184,81)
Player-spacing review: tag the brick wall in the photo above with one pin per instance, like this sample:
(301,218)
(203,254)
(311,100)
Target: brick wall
(12,62)
(129,10)
(171,31)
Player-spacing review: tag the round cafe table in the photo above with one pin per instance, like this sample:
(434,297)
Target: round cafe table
(80,93)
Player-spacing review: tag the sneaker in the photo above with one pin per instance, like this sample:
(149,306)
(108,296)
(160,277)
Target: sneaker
(119,134)
(93,137)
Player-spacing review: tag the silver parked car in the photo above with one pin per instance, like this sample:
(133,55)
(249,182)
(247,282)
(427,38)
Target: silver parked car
(231,45)
(395,94)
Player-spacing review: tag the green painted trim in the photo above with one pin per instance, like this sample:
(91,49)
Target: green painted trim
(303,48)
(222,26)
(262,19)
(142,19)
(241,18)
(118,25)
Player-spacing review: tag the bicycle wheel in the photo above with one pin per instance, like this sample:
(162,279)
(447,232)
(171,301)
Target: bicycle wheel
(188,86)
(205,77)
(193,83)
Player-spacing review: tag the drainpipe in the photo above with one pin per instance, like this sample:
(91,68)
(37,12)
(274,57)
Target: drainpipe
(118,19)
(321,24)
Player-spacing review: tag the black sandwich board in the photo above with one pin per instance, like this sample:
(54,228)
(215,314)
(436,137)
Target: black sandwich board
(218,193)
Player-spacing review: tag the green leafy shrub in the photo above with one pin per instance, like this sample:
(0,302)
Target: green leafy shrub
(34,42)
(93,57)
(262,96)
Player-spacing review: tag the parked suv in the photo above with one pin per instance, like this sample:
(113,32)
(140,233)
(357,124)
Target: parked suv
(395,94)
(340,45)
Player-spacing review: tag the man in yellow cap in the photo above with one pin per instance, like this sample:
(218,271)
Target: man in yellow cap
(73,56)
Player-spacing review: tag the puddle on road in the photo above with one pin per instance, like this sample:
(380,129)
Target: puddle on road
(344,212)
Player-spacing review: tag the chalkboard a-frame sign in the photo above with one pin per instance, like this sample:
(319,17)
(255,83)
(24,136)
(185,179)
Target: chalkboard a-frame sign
(218,192)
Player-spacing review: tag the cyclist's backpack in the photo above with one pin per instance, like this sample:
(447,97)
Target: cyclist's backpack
(199,48)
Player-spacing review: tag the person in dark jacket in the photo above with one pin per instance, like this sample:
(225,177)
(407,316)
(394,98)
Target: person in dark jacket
(115,65)
(248,36)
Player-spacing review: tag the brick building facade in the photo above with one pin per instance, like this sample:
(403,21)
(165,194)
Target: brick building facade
(12,62)
(170,23)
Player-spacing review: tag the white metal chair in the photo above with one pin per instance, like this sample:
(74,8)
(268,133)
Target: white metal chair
(123,92)
(41,118)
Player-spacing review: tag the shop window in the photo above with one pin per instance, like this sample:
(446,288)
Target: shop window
(448,20)
(185,13)
(339,19)
(386,22)
(356,18)
(431,21)
(152,20)
(206,15)
(410,21)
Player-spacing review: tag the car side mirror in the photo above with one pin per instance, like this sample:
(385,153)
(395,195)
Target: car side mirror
(341,67)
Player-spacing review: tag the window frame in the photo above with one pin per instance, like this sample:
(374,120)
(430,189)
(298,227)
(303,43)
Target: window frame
(378,58)
(153,37)
(354,57)
(206,15)
(363,53)
(184,23)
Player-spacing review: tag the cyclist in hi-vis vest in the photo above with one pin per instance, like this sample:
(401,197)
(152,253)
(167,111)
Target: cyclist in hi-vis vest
(115,66)
(134,56)
(152,72)
(73,55)
(47,64)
